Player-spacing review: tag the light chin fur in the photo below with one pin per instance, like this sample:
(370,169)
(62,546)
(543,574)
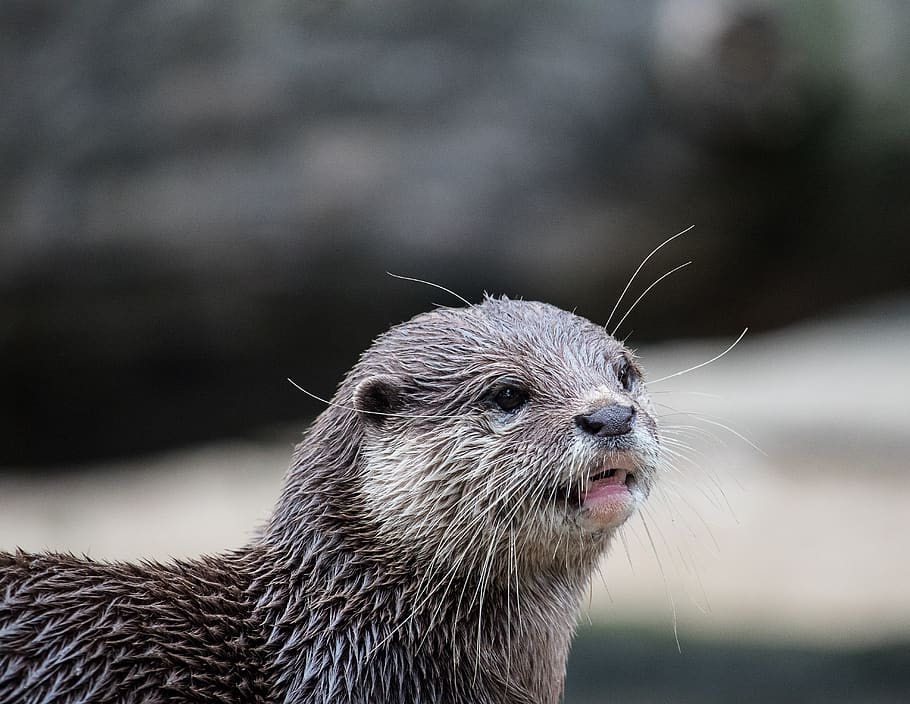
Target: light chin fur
(452,499)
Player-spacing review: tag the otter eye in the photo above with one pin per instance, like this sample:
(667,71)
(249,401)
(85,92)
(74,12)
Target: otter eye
(510,398)
(626,375)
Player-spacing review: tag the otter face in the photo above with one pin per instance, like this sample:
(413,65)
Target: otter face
(509,430)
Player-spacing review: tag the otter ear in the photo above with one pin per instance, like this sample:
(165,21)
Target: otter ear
(378,395)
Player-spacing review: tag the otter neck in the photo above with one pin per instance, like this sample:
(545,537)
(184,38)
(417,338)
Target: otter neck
(353,635)
(347,623)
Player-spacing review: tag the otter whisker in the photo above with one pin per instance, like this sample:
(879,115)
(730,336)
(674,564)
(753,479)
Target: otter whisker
(373,413)
(483,585)
(714,501)
(625,547)
(669,442)
(670,456)
(645,293)
(681,438)
(640,266)
(663,575)
(590,603)
(710,420)
(484,569)
(430,283)
(467,528)
(682,497)
(603,578)
(703,394)
(703,364)
(703,417)
(456,567)
(682,448)
(674,433)
(510,568)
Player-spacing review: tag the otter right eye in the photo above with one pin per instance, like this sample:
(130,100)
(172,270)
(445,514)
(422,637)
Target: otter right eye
(510,398)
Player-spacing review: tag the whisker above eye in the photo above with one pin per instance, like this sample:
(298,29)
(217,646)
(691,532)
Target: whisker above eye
(430,283)
(358,410)
(645,293)
(640,267)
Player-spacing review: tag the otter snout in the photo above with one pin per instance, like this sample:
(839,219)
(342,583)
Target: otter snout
(608,421)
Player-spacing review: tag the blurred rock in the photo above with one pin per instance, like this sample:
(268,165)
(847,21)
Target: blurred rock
(198,200)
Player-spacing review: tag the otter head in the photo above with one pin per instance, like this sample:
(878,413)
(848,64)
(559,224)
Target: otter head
(504,433)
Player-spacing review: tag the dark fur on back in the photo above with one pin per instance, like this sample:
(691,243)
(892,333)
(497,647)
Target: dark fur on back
(417,556)
(81,631)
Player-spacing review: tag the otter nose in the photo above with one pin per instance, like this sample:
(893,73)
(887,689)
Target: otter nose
(608,421)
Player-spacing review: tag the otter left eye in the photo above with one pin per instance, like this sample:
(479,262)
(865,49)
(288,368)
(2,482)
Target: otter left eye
(510,398)
(626,376)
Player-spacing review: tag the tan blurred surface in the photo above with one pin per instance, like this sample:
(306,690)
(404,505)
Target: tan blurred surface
(808,541)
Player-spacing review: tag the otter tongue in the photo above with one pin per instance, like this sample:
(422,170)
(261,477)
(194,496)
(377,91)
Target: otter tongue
(606,485)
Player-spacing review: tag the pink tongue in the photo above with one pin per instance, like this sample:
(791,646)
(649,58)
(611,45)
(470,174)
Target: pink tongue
(601,488)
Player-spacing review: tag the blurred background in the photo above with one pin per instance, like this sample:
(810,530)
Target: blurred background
(201,199)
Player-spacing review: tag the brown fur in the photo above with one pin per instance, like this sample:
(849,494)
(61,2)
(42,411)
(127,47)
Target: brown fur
(420,551)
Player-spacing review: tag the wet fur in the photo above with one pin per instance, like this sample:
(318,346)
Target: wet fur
(417,553)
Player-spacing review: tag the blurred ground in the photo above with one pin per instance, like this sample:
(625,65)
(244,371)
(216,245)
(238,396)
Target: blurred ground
(804,545)
(807,541)
(640,666)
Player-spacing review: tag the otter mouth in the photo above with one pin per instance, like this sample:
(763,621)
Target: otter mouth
(608,482)
(609,493)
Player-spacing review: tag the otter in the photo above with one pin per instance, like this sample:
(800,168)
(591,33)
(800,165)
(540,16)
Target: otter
(437,528)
